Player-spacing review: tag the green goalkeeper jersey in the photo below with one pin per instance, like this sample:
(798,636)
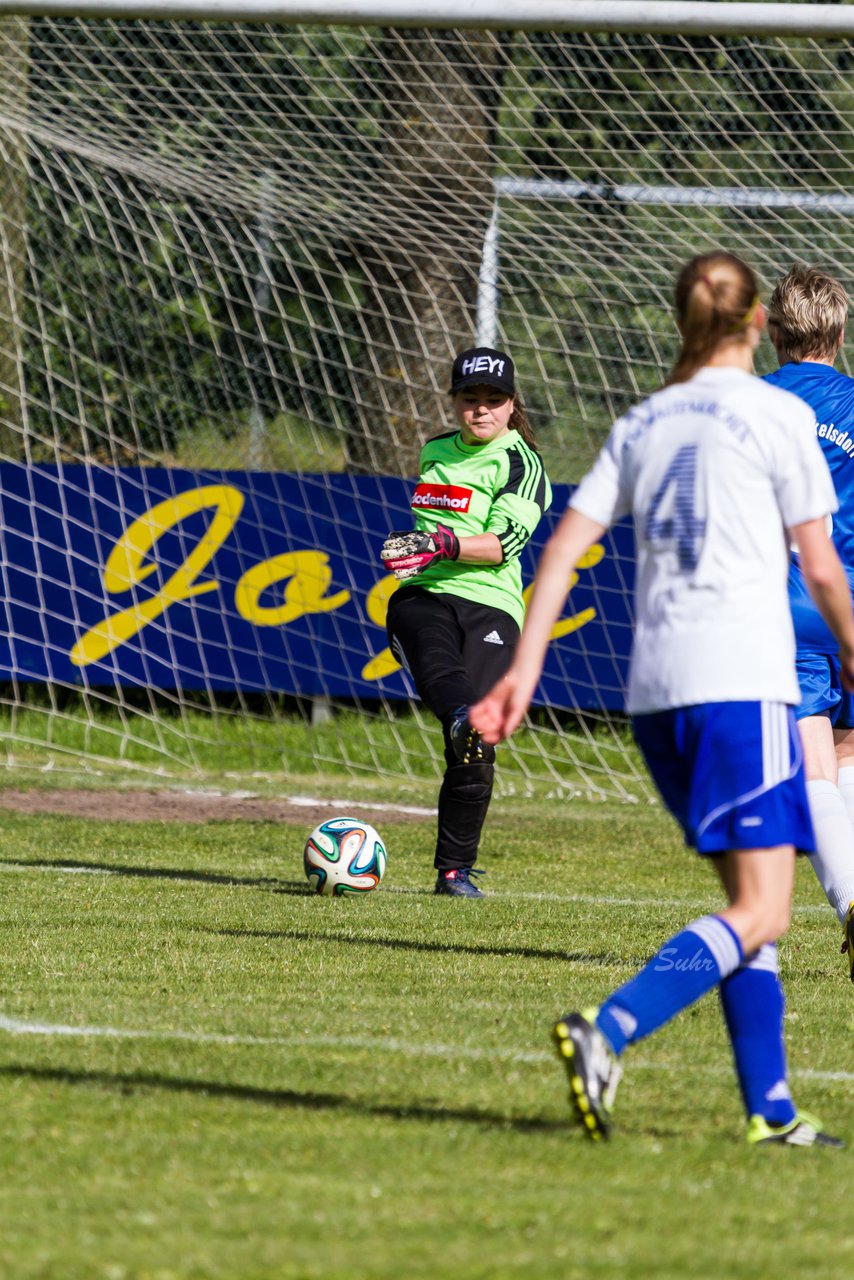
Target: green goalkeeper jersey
(499,488)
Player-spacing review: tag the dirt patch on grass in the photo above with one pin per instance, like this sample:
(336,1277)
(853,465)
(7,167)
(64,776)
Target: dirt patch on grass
(199,806)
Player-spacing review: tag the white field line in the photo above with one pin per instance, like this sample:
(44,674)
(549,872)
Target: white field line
(309,802)
(66,871)
(19,1027)
(590,899)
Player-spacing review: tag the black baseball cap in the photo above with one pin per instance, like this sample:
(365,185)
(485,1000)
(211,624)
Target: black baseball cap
(483,367)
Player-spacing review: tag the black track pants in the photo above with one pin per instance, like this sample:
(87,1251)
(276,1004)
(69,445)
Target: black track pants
(454,650)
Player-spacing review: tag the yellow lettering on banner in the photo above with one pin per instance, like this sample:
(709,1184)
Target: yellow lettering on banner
(376,605)
(309,575)
(565,626)
(127,567)
(592,556)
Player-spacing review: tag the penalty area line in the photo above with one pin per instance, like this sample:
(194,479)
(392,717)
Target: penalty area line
(21,1027)
(311,802)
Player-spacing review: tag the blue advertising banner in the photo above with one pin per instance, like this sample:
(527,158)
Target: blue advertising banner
(255,581)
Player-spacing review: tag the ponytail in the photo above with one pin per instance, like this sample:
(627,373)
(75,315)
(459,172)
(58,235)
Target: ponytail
(519,422)
(716,299)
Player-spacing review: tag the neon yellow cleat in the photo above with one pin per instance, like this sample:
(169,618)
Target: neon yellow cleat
(592,1069)
(803,1131)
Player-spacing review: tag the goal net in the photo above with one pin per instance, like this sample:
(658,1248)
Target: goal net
(236,263)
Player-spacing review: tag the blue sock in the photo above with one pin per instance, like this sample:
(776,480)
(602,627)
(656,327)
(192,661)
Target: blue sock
(685,968)
(753,1005)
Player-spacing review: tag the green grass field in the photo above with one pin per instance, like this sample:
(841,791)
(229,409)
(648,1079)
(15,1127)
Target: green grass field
(207,1072)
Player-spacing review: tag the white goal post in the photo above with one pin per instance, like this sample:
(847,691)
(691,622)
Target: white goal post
(680,17)
(239,245)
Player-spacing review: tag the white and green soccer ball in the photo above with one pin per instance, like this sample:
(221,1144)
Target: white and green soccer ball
(344,855)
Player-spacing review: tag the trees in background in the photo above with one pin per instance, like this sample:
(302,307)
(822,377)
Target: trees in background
(222,227)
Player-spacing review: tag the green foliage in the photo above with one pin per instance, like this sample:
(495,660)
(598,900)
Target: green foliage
(225,278)
(169,353)
(286,443)
(586,284)
(647,109)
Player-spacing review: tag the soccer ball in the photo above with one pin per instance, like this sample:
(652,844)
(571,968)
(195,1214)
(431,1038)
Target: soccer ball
(344,855)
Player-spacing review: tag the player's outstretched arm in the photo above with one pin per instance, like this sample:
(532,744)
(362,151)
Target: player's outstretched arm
(498,714)
(828,586)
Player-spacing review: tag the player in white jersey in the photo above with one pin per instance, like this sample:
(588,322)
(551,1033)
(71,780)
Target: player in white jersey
(719,471)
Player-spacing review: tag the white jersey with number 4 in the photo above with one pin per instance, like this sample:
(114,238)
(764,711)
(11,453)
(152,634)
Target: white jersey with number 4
(714,472)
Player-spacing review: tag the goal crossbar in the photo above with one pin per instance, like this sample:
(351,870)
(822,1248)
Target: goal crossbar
(709,197)
(684,17)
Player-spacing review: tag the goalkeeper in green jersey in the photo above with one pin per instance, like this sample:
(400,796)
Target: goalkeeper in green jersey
(455,622)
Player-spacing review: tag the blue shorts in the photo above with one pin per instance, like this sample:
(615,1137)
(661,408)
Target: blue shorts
(821,690)
(731,773)
(816,658)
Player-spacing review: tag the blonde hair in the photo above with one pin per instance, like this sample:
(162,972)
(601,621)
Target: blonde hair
(716,298)
(808,310)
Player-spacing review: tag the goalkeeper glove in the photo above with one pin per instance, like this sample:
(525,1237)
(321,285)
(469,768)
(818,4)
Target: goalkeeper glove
(405,554)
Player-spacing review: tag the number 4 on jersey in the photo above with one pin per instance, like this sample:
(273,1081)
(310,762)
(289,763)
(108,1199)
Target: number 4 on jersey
(682,524)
